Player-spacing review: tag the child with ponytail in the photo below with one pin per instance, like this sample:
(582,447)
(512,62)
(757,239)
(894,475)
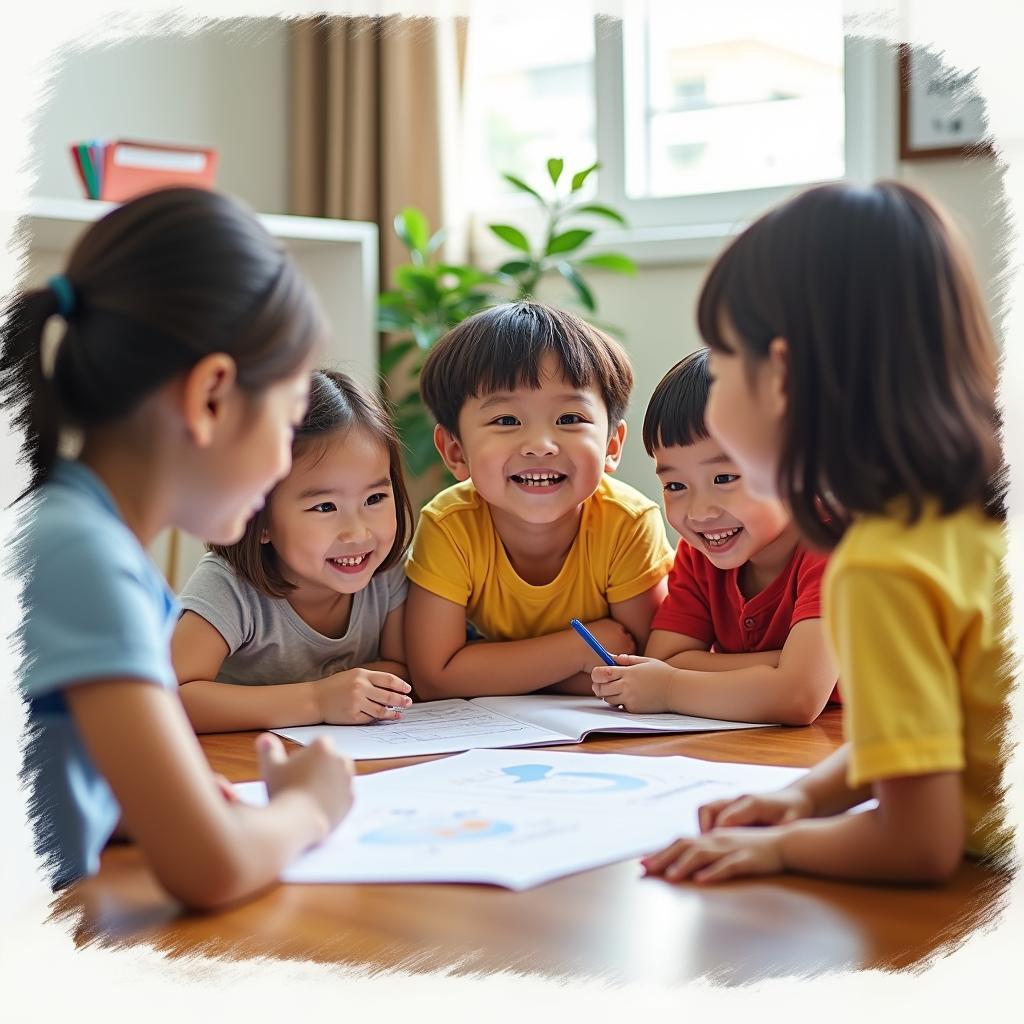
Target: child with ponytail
(182,369)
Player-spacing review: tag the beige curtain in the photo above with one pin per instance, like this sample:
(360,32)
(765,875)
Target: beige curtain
(366,124)
(372,101)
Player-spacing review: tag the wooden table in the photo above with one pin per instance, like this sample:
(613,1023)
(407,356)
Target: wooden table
(608,922)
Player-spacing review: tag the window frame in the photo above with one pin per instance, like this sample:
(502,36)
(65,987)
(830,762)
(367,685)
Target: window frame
(694,228)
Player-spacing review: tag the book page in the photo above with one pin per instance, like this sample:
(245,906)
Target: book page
(578,716)
(434,727)
(517,818)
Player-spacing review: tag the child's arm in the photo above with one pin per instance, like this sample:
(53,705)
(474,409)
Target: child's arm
(442,664)
(637,613)
(915,834)
(205,850)
(392,646)
(682,651)
(793,693)
(352,697)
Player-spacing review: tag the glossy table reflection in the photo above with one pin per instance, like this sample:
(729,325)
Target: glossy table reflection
(608,922)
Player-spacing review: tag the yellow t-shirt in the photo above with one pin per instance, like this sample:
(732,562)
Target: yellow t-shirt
(917,615)
(620,551)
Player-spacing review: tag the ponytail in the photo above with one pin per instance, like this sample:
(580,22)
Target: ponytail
(24,386)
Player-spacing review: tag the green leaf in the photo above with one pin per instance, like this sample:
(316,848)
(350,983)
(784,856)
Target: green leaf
(555,165)
(467,277)
(601,211)
(610,261)
(522,186)
(412,228)
(436,241)
(467,306)
(394,354)
(586,297)
(391,318)
(567,241)
(514,267)
(421,282)
(391,298)
(410,405)
(416,430)
(581,176)
(513,236)
(426,335)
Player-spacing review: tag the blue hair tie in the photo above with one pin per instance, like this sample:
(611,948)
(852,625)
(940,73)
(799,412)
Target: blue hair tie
(65,292)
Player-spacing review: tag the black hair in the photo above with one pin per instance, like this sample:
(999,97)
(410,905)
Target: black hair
(891,364)
(675,413)
(502,348)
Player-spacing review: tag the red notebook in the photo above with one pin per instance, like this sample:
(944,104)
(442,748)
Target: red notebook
(118,170)
(130,168)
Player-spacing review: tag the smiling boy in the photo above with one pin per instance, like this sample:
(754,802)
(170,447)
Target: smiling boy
(529,403)
(740,584)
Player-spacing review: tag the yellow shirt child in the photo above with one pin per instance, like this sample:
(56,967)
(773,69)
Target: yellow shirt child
(917,615)
(529,402)
(618,553)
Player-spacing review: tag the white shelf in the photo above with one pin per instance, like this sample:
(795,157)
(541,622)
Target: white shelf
(338,257)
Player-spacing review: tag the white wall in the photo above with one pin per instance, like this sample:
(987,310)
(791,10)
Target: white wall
(226,86)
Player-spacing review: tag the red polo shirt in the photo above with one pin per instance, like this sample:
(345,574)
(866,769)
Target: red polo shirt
(707,604)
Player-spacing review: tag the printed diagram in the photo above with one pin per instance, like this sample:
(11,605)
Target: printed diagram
(423,723)
(553,781)
(459,827)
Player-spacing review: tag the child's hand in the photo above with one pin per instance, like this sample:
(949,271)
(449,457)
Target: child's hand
(725,853)
(317,771)
(763,809)
(639,685)
(612,636)
(360,695)
(225,788)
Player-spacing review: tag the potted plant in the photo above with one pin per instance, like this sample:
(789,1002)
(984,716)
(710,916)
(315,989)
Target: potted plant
(429,296)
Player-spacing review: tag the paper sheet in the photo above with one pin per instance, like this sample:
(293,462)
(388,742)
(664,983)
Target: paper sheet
(517,818)
(449,726)
(578,716)
(436,727)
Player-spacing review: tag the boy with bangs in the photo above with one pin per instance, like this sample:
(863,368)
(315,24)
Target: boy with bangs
(529,402)
(740,634)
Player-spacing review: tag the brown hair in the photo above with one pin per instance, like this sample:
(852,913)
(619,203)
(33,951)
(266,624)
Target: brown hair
(501,349)
(675,413)
(891,362)
(149,290)
(336,405)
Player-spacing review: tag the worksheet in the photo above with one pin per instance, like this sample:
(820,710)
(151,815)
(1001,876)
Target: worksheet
(517,818)
(448,726)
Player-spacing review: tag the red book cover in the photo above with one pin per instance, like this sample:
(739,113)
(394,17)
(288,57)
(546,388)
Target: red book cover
(130,168)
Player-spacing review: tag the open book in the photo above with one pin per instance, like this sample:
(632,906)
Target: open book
(448,726)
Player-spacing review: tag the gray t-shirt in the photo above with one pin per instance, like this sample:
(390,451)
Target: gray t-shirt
(267,640)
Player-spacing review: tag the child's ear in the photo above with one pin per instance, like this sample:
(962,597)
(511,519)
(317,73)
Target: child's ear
(205,394)
(451,451)
(777,377)
(615,443)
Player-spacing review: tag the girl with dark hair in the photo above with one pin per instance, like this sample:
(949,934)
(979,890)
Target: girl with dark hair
(306,609)
(854,377)
(182,368)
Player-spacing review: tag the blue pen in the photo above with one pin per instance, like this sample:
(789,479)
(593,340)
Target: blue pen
(592,642)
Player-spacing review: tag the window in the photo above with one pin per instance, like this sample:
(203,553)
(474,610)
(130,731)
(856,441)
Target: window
(718,103)
(701,115)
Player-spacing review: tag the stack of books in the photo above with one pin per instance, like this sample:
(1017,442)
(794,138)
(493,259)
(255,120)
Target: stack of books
(118,170)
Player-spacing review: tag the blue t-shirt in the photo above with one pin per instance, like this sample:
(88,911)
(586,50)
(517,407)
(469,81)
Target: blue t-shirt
(96,607)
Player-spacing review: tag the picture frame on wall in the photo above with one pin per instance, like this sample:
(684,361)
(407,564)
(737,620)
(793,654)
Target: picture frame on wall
(941,113)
